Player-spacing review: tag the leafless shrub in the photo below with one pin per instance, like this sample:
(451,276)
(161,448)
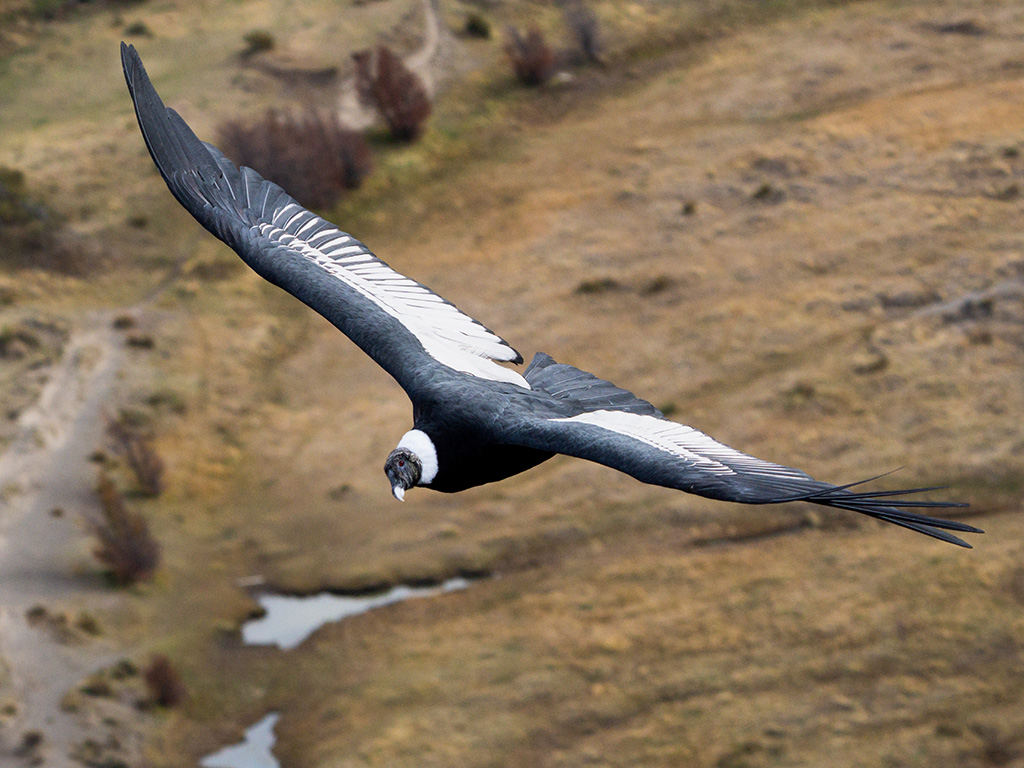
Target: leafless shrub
(124,544)
(384,83)
(532,59)
(582,24)
(313,155)
(138,452)
(163,682)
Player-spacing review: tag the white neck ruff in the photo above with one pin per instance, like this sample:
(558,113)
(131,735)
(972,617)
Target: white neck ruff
(422,446)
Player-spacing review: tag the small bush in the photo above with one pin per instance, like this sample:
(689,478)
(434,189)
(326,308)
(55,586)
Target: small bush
(97,686)
(313,156)
(30,231)
(477,25)
(583,26)
(123,669)
(163,682)
(137,451)
(16,207)
(138,29)
(385,84)
(598,285)
(125,545)
(257,41)
(31,741)
(532,59)
(49,9)
(17,341)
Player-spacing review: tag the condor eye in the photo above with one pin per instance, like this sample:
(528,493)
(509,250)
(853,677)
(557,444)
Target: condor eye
(401,462)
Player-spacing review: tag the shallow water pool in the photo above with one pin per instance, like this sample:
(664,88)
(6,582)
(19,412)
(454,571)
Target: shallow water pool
(289,620)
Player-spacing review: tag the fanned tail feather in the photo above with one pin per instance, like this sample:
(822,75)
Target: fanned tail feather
(891,510)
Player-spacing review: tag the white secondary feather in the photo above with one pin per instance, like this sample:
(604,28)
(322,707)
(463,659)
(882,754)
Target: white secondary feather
(452,338)
(681,441)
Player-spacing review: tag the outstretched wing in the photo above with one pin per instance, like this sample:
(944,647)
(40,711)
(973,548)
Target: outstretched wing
(592,419)
(406,328)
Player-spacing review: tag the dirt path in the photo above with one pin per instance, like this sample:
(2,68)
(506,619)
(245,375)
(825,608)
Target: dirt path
(46,481)
(47,469)
(423,62)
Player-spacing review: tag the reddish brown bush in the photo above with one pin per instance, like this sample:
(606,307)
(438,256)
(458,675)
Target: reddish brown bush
(124,544)
(385,84)
(137,451)
(313,156)
(163,682)
(532,59)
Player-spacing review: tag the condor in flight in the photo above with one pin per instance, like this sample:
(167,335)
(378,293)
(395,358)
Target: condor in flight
(475,420)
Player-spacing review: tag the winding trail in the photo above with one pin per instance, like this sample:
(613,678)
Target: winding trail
(423,62)
(44,559)
(46,468)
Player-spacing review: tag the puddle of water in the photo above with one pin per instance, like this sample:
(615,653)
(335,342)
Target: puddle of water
(287,622)
(254,752)
(290,620)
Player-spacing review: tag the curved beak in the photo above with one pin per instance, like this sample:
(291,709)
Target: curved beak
(398,491)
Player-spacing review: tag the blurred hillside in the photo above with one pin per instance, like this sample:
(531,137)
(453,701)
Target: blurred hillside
(793,225)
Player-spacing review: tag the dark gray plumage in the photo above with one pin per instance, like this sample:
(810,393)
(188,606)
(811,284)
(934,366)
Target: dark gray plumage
(475,420)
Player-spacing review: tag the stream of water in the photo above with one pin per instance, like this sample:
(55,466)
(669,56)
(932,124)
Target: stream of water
(287,621)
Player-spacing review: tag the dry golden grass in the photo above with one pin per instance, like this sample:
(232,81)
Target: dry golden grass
(782,216)
(785,323)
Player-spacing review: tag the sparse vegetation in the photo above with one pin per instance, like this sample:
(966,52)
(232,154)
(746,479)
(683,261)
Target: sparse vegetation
(124,543)
(123,322)
(16,207)
(165,686)
(31,742)
(313,155)
(766,193)
(49,9)
(585,30)
(138,29)
(257,41)
(477,25)
(137,451)
(87,623)
(98,686)
(25,222)
(532,59)
(397,93)
(657,284)
(597,285)
(123,670)
(17,341)
(54,10)
(30,232)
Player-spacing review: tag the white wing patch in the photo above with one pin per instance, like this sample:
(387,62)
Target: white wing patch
(686,443)
(449,336)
